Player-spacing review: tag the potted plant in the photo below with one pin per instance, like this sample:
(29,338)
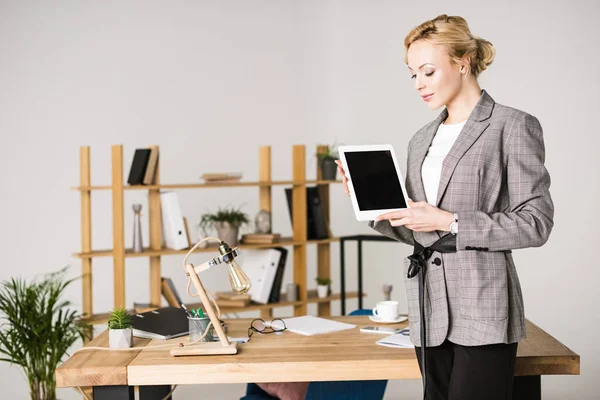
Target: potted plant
(37,328)
(327,162)
(120,334)
(323,286)
(227,221)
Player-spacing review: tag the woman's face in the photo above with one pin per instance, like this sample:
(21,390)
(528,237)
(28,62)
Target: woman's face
(437,79)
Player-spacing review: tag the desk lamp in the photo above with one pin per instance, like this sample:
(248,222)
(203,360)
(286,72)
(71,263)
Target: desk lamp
(239,283)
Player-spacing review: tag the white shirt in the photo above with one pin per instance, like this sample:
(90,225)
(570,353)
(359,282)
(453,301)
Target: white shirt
(431,171)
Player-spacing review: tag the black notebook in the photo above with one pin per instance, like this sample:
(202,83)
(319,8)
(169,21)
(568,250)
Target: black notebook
(138,166)
(164,323)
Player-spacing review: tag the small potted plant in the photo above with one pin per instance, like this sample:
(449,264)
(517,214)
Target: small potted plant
(323,286)
(120,333)
(327,163)
(227,221)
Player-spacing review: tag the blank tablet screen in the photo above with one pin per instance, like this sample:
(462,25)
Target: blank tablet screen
(375,181)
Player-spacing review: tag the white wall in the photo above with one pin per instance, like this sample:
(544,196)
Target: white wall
(233,75)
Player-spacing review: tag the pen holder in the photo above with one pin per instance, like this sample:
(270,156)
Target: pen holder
(197,326)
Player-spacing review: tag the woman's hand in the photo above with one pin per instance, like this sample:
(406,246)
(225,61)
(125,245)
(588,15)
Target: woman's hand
(421,217)
(343,174)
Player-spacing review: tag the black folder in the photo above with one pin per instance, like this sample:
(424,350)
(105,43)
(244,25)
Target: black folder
(163,323)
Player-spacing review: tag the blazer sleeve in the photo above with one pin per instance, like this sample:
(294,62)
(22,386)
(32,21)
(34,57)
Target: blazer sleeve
(399,233)
(529,218)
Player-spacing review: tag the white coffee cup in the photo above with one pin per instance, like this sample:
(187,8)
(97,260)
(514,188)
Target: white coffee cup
(387,310)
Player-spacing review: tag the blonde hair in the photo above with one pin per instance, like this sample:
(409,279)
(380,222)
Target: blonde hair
(454,34)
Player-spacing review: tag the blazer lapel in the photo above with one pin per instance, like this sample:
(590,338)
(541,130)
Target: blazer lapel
(473,128)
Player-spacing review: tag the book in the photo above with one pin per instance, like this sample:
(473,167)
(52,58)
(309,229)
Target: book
(143,307)
(232,303)
(260,266)
(169,292)
(163,323)
(151,166)
(260,238)
(138,167)
(399,340)
(316,225)
(232,296)
(277,282)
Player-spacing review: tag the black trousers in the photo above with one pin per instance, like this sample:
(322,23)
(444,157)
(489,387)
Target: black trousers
(456,372)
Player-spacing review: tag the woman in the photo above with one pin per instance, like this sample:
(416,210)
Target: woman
(477,172)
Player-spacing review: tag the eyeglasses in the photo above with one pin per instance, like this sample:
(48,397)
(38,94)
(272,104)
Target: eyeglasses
(260,326)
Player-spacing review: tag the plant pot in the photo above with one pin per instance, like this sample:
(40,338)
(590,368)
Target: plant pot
(120,338)
(328,169)
(322,291)
(227,233)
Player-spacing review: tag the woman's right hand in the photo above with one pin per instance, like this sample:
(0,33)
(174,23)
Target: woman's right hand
(344,178)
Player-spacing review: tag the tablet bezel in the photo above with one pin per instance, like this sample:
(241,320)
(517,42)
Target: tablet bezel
(369,215)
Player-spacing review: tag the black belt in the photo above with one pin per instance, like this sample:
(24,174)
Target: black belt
(418,266)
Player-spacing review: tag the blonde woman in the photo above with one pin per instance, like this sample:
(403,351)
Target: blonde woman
(477,179)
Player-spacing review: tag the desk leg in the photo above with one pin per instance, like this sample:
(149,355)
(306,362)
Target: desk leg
(360,288)
(342,279)
(113,392)
(527,388)
(154,392)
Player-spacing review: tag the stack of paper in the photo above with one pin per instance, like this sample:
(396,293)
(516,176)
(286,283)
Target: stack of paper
(309,325)
(396,340)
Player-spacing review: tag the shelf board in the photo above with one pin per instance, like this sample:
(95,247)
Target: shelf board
(103,318)
(209,185)
(287,241)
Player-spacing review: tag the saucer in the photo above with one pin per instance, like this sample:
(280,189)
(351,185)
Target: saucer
(400,318)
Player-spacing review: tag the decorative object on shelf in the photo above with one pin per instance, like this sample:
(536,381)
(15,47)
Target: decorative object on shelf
(323,287)
(120,333)
(227,222)
(387,292)
(37,328)
(222,177)
(138,245)
(291,292)
(327,163)
(239,284)
(262,222)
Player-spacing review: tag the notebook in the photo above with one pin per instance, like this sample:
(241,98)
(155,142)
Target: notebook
(396,340)
(164,323)
(309,325)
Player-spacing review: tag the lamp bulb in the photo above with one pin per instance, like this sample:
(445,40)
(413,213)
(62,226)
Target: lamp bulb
(238,278)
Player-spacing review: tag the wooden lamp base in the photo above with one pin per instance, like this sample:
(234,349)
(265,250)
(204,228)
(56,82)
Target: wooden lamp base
(204,349)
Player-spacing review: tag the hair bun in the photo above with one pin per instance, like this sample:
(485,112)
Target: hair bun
(485,53)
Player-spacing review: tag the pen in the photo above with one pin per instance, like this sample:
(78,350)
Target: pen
(186,310)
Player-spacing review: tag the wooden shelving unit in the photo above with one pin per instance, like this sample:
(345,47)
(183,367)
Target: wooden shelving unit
(154,252)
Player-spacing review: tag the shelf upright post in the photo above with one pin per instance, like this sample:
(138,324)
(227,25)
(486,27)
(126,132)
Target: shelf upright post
(299,225)
(323,249)
(155,237)
(264,197)
(86,230)
(118,226)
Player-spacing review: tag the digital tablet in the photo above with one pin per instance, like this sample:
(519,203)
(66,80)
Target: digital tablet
(374,180)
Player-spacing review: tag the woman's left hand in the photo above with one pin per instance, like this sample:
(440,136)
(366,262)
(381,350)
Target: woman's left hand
(420,217)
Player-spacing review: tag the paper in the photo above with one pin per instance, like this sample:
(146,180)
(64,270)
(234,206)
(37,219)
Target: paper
(309,325)
(398,340)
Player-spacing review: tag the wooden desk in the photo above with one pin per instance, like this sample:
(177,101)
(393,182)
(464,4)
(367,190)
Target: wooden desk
(346,355)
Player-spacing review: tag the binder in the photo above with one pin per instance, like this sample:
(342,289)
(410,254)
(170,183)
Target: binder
(174,231)
(277,282)
(261,268)
(316,226)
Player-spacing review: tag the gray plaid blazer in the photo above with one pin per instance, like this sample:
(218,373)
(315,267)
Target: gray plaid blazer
(494,178)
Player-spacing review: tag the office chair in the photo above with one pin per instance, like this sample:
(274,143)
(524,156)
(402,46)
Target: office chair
(331,390)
